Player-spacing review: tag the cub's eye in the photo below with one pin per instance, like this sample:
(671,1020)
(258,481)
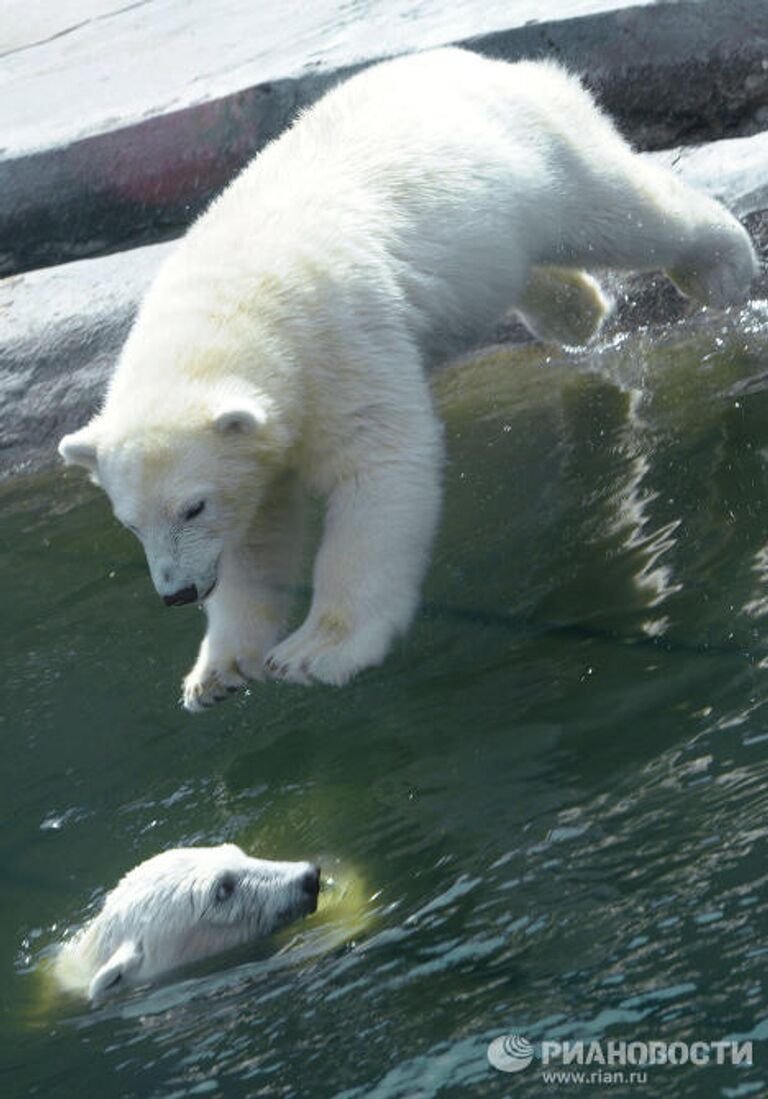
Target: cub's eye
(225,888)
(194,511)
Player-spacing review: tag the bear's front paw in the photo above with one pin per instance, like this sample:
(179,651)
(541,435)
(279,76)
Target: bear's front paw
(214,679)
(327,651)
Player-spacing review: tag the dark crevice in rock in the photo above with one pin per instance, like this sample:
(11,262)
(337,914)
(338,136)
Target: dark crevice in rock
(73,28)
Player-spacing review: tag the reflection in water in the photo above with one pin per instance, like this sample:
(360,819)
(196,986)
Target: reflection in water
(757,606)
(554,792)
(632,501)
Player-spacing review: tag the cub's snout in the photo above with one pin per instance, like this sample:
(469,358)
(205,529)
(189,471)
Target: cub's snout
(310,883)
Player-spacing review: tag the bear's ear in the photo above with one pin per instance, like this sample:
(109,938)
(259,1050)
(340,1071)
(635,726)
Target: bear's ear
(125,960)
(240,416)
(80,449)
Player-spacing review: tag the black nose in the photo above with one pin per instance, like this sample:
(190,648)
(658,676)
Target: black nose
(310,883)
(183,595)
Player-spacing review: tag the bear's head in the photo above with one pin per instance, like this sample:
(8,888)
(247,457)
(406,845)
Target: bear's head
(181,906)
(185,477)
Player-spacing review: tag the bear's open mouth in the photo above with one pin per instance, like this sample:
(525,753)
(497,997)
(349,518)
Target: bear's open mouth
(206,594)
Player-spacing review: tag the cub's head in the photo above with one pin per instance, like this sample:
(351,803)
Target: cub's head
(182,906)
(187,481)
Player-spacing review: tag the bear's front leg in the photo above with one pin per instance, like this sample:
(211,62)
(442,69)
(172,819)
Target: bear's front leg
(248,606)
(379,527)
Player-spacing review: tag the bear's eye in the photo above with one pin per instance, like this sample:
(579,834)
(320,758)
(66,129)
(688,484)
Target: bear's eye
(225,888)
(194,511)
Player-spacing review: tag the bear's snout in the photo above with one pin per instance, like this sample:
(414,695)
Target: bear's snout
(310,883)
(183,595)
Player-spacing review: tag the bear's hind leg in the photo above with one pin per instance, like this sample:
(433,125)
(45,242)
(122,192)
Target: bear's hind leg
(631,215)
(563,305)
(247,609)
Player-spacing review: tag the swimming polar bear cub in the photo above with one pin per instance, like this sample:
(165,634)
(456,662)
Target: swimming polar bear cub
(282,347)
(179,907)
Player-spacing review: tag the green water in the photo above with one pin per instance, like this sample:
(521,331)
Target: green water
(554,790)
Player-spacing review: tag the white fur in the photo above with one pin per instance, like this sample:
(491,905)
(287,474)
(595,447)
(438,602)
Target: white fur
(283,345)
(176,908)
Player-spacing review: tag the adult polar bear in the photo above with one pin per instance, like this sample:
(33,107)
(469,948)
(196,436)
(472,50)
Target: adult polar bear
(283,345)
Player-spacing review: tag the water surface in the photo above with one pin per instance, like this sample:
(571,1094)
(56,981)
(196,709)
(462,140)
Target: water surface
(554,790)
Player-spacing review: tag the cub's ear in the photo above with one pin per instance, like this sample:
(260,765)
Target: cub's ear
(125,960)
(80,448)
(240,416)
